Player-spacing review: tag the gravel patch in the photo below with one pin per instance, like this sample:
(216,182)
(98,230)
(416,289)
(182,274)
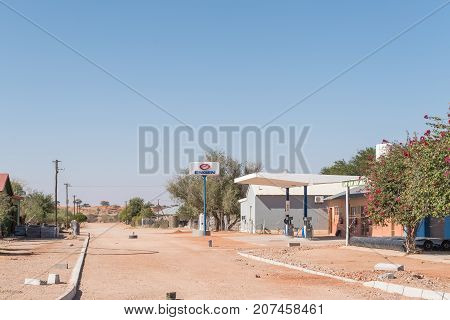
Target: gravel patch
(338,264)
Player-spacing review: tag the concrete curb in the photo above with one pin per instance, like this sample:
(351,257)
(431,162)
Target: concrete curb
(75,276)
(384,286)
(408,291)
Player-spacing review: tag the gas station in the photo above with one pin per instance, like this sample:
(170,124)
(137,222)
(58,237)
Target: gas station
(291,180)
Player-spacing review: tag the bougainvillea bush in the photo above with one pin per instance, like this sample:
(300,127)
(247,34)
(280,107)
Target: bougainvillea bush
(412,181)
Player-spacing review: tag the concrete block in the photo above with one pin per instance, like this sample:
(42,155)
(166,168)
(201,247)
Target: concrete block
(33,282)
(432,295)
(412,292)
(53,279)
(389,267)
(386,276)
(199,233)
(395,288)
(381,285)
(369,284)
(294,244)
(62,266)
(171,296)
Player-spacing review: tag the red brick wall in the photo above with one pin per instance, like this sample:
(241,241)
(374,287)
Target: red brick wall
(359,226)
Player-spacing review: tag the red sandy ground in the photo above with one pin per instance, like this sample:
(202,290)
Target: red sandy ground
(20,259)
(166,261)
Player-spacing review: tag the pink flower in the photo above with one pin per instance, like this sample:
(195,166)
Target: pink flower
(446,174)
(447,159)
(422,139)
(378,191)
(428,132)
(406,154)
(442,134)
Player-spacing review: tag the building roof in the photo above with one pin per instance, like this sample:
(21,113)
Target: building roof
(5,184)
(169,211)
(314,190)
(354,193)
(289,180)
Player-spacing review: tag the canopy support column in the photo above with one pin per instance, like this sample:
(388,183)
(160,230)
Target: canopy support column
(347,214)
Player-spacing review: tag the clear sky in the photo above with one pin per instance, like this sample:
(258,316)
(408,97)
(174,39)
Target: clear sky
(208,62)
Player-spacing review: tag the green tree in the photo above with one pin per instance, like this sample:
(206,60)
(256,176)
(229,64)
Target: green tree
(6,213)
(104,203)
(135,206)
(146,212)
(37,207)
(187,212)
(358,165)
(18,188)
(124,215)
(136,209)
(412,181)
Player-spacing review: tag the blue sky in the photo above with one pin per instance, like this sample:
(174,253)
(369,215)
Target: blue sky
(208,62)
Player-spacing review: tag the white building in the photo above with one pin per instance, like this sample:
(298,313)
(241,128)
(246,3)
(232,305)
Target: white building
(265,207)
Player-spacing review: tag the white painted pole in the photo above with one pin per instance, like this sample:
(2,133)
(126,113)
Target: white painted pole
(347,214)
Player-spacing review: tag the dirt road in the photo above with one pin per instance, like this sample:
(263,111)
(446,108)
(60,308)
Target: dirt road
(164,261)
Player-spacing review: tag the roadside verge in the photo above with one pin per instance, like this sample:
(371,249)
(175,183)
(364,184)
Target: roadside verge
(384,286)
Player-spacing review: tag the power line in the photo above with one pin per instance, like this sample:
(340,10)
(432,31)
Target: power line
(129,186)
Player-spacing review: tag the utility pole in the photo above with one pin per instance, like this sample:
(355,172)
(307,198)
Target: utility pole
(56,162)
(126,210)
(74,203)
(67,204)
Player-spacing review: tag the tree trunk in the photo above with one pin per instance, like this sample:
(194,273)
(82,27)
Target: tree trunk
(410,243)
(231,225)
(216,218)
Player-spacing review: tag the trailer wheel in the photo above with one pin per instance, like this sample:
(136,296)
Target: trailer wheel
(445,245)
(428,246)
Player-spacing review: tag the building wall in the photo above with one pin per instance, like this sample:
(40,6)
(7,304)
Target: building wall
(248,213)
(389,230)
(360,225)
(270,213)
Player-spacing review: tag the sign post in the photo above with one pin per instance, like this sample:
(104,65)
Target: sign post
(204,169)
(204,205)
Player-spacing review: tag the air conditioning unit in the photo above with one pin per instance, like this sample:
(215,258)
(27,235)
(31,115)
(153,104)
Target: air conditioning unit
(319,199)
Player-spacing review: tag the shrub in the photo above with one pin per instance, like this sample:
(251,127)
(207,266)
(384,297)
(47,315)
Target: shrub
(79,217)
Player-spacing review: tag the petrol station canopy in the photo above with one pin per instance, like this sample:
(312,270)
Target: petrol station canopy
(290,180)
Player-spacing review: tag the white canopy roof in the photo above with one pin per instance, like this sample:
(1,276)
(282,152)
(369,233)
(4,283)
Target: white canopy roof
(328,189)
(289,180)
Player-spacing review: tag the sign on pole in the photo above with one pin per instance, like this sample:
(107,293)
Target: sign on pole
(204,168)
(354,183)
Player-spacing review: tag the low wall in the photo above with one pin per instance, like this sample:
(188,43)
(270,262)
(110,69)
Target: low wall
(390,243)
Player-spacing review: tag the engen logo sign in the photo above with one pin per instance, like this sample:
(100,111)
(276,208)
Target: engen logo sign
(204,168)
